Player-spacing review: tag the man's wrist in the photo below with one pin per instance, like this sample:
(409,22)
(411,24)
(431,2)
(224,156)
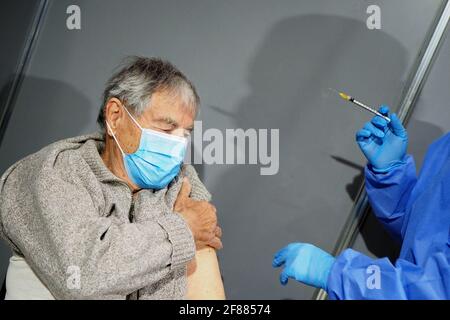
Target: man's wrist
(181,238)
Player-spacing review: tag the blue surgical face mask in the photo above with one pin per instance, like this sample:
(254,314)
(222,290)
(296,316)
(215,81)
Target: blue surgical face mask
(157,161)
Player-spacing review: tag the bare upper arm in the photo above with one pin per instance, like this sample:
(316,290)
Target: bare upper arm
(204,278)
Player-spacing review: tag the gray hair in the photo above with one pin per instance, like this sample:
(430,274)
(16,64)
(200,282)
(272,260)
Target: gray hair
(140,77)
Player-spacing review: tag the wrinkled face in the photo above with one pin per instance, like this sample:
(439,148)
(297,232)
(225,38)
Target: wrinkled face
(166,114)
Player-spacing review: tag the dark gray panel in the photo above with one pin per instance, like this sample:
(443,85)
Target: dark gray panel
(16,19)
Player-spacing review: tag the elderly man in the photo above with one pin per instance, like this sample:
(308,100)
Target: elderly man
(116,215)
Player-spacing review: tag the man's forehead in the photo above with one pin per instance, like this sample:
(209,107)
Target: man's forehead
(171,110)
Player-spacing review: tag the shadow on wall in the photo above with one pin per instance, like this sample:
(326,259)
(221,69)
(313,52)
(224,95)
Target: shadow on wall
(298,59)
(46,111)
(376,239)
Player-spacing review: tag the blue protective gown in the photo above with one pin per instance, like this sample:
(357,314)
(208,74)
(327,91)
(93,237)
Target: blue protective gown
(416,211)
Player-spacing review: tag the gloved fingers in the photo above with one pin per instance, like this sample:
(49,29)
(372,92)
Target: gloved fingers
(280,257)
(374,130)
(278,262)
(380,123)
(362,135)
(384,110)
(284,277)
(397,126)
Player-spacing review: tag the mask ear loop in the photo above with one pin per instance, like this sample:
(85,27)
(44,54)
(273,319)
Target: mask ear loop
(132,118)
(142,129)
(109,128)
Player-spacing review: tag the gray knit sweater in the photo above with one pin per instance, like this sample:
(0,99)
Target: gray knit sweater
(64,212)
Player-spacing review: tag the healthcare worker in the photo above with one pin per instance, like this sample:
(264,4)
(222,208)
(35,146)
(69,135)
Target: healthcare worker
(415,210)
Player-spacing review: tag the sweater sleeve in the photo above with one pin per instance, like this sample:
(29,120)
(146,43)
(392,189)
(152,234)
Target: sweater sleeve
(198,192)
(76,252)
(389,193)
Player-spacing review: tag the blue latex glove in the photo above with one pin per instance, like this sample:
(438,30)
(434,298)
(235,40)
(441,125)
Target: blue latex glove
(305,263)
(384,144)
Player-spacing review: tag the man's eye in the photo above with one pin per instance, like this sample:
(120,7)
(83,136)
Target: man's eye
(166,130)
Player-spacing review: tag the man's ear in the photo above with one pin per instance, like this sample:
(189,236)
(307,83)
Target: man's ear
(113,113)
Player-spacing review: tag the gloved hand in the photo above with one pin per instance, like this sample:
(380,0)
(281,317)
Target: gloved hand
(305,263)
(384,144)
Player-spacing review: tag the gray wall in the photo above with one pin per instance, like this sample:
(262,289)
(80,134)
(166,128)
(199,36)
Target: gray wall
(256,64)
(15,15)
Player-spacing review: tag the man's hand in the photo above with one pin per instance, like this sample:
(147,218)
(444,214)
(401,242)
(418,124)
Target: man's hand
(201,218)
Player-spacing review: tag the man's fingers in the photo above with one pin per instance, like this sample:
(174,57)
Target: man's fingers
(185,190)
(216,243)
(207,236)
(218,232)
